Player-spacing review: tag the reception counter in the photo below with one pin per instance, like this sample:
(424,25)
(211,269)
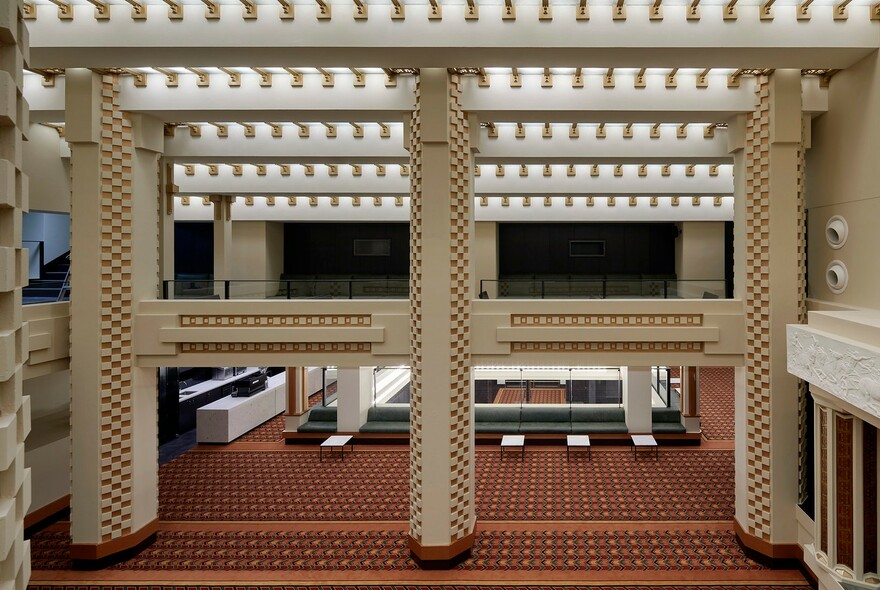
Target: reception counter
(228,418)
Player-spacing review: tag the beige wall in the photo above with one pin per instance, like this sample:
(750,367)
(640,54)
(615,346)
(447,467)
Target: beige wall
(48,173)
(699,254)
(257,253)
(47,448)
(843,178)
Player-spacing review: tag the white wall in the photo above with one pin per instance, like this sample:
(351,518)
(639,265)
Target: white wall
(699,254)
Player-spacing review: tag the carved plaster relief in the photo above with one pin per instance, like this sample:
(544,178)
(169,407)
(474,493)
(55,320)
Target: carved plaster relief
(846,370)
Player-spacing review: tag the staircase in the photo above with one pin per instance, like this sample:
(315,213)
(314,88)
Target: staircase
(54,285)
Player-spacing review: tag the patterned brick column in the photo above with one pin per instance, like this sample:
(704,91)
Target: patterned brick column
(113,497)
(773,171)
(15,414)
(441,446)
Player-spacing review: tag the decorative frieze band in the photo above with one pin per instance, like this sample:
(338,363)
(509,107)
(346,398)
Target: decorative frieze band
(251,321)
(279,347)
(616,320)
(606,347)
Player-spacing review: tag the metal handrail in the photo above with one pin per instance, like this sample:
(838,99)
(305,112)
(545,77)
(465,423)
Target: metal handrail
(208,287)
(543,288)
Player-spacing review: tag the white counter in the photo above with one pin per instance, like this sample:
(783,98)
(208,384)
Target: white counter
(200,388)
(228,418)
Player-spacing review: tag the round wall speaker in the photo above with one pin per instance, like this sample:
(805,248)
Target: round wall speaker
(836,231)
(836,276)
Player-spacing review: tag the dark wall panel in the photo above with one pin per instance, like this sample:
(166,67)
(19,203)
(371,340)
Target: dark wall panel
(193,247)
(328,249)
(543,249)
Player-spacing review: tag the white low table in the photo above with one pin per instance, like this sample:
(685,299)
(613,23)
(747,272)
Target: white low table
(337,440)
(577,440)
(644,440)
(513,440)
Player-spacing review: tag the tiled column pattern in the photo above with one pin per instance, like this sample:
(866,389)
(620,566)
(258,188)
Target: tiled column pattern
(773,142)
(14,408)
(113,264)
(441,447)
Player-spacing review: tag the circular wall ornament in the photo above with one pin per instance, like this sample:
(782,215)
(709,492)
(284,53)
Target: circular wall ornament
(836,231)
(836,276)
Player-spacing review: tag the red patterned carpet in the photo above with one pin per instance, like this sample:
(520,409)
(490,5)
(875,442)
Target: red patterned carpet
(543,395)
(717,402)
(271,431)
(372,485)
(693,549)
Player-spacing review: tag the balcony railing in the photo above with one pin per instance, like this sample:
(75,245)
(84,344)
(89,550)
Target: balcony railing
(287,289)
(605,288)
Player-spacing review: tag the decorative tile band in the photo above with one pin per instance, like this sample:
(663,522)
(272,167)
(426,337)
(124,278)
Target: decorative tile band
(616,320)
(281,347)
(249,321)
(606,347)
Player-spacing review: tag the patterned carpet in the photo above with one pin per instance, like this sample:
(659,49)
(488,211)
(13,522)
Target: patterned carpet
(271,431)
(544,395)
(430,587)
(372,485)
(697,549)
(716,402)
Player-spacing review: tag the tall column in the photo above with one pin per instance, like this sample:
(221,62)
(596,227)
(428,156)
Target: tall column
(15,414)
(353,396)
(637,399)
(114,263)
(441,408)
(222,241)
(690,398)
(766,521)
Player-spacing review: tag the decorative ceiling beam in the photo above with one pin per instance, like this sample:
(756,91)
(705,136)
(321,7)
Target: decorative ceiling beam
(656,11)
(250,130)
(608,80)
(509,12)
(303,129)
(515,78)
(619,11)
(265,77)
(29,10)
(175,10)
(545,12)
(472,12)
(324,10)
(577,78)
(436,11)
(65,10)
(331,129)
(171,78)
(328,79)
(277,130)
(222,129)
(639,80)
(730,12)
(583,10)
(249,11)
(359,79)
(803,10)
(671,81)
(693,12)
(703,78)
(767,10)
(841,12)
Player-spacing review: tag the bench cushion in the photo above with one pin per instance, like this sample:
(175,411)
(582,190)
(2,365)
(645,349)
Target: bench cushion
(545,414)
(495,414)
(317,426)
(388,414)
(588,414)
(667,428)
(322,414)
(665,415)
(599,428)
(545,428)
(386,426)
(497,427)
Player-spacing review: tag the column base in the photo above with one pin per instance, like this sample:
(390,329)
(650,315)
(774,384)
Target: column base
(441,557)
(773,555)
(90,556)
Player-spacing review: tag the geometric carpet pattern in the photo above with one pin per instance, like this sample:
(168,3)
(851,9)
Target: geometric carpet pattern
(387,550)
(269,431)
(717,402)
(292,485)
(431,586)
(543,395)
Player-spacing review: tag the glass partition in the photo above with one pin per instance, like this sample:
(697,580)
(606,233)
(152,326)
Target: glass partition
(548,385)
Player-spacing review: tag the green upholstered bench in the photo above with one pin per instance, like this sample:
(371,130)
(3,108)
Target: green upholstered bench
(589,420)
(387,420)
(496,419)
(545,420)
(666,421)
(320,420)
